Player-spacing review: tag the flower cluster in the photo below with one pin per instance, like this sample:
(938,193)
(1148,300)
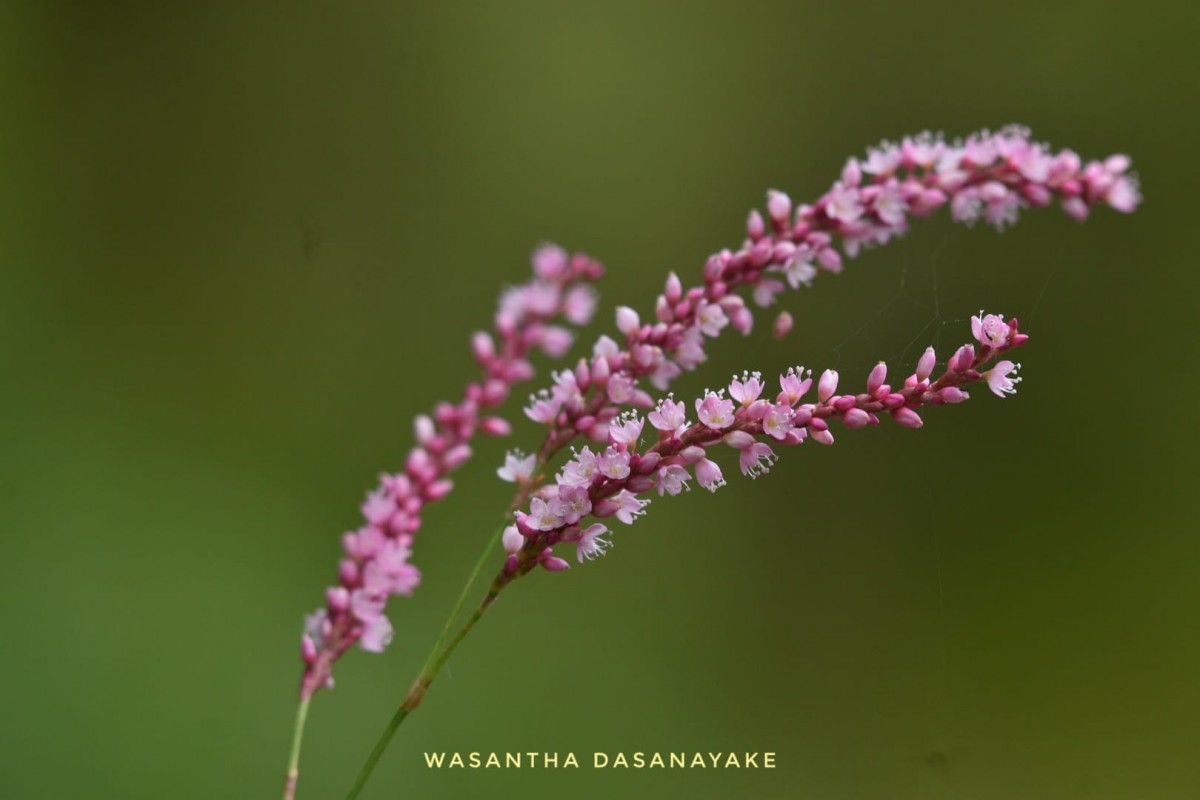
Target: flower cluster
(617,481)
(376,562)
(987,175)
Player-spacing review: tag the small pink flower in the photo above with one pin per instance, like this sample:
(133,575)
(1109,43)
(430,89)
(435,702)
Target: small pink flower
(792,386)
(672,479)
(628,506)
(580,304)
(799,272)
(783,325)
(572,503)
(581,470)
(376,635)
(998,379)
(708,475)
(543,516)
(746,390)
(711,318)
(778,422)
(990,330)
(543,409)
(591,544)
(756,459)
(669,416)
(715,411)
(614,464)
(843,203)
(779,207)
(517,466)
(626,432)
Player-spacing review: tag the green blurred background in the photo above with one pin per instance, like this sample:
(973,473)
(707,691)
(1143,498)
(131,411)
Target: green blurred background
(242,244)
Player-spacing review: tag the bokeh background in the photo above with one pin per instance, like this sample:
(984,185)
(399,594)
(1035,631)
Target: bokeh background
(243,244)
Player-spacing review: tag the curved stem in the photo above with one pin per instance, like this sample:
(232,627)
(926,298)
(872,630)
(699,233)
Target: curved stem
(293,771)
(435,661)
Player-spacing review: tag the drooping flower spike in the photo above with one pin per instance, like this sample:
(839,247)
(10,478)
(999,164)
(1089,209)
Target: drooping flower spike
(989,176)
(752,427)
(376,561)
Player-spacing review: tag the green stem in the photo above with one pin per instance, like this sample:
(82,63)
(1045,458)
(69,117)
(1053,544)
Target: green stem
(293,771)
(435,661)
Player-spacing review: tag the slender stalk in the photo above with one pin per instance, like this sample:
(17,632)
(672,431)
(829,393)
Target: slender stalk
(424,680)
(293,771)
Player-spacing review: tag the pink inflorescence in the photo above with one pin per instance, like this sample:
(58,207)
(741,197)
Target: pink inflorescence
(376,563)
(638,461)
(987,175)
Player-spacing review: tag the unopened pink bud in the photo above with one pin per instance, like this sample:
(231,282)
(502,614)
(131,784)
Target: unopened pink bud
(907,417)
(755,227)
(845,402)
(926,364)
(553,563)
(827,385)
(511,564)
(512,540)
(821,437)
(894,400)
(856,418)
(739,440)
(674,289)
(779,207)
(438,489)
(640,483)
(308,650)
(456,456)
(483,347)
(963,358)
(952,394)
(783,324)
(495,426)
(829,259)
(337,598)
(627,320)
(876,378)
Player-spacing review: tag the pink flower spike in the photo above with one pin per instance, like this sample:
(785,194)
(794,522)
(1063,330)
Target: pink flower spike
(998,380)
(591,544)
(827,385)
